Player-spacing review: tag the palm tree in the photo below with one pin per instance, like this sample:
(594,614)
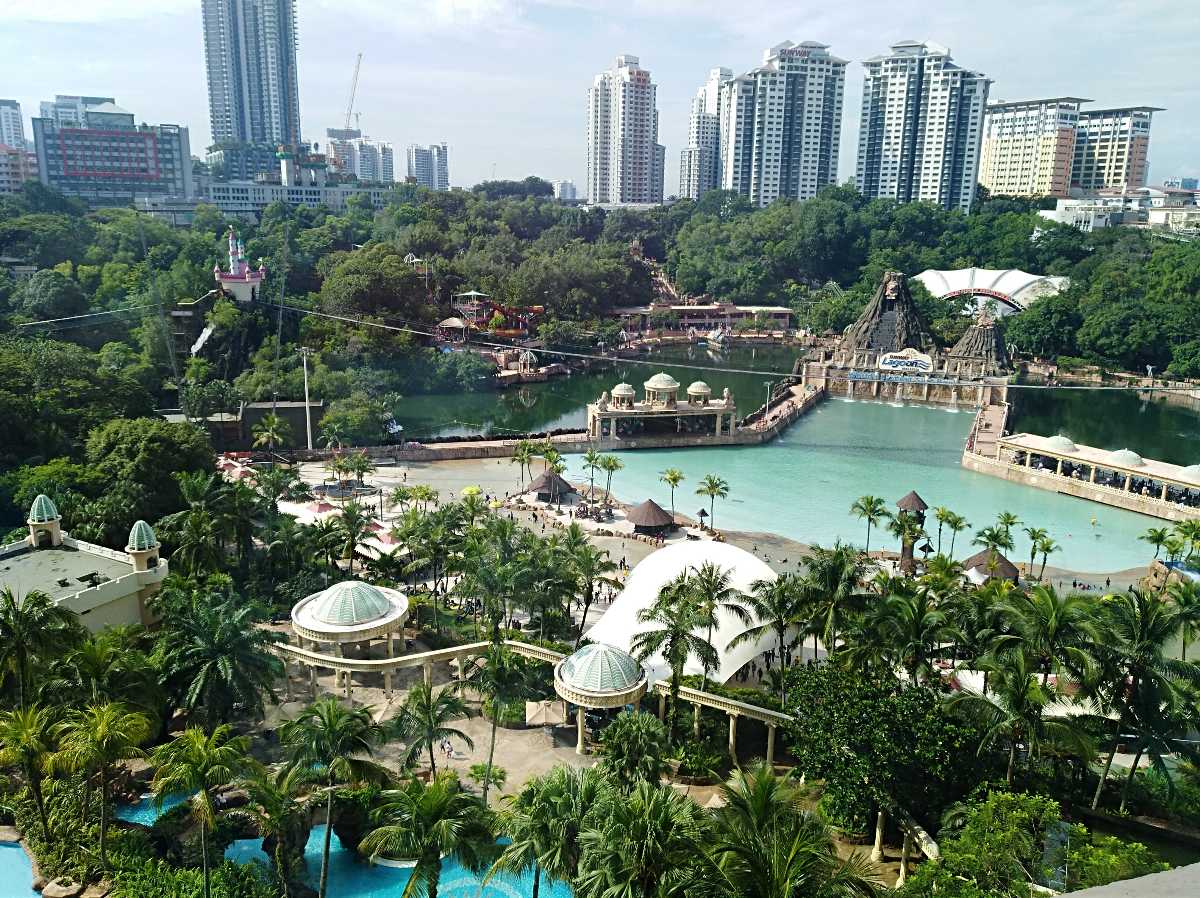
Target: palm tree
(778,605)
(872,509)
(942,514)
(639,843)
(1189,530)
(522,457)
(538,821)
(1046,547)
(592,568)
(503,679)
(1036,536)
(428,822)
(333,435)
(217,657)
(270,431)
(593,461)
(610,464)
(907,528)
(196,764)
(1186,596)
(1015,708)
(1174,547)
(1160,723)
(994,538)
(713,592)
(1156,536)
(198,544)
(353,529)
(913,628)
(1136,626)
(33,627)
(956,524)
(544,820)
(281,806)
(106,667)
(338,742)
(96,738)
(1006,520)
(766,844)
(671,620)
(27,741)
(715,488)
(829,589)
(425,719)
(672,477)
(1056,631)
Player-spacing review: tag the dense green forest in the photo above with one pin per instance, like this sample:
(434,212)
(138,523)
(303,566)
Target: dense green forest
(1134,299)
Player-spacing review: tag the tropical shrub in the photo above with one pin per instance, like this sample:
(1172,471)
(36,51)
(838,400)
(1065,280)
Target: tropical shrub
(1095,859)
(634,749)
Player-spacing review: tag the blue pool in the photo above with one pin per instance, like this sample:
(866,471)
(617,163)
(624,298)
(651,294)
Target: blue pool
(148,810)
(350,878)
(16,873)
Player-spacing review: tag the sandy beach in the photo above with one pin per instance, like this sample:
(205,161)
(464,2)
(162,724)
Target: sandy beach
(499,478)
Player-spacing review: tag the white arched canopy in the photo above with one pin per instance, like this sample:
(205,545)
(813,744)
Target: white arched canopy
(619,625)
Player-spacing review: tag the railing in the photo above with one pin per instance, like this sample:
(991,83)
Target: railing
(728,705)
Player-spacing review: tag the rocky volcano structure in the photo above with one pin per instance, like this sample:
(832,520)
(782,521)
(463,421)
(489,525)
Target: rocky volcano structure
(890,322)
(984,340)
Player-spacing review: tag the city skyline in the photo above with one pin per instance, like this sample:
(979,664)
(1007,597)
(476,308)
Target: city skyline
(501,117)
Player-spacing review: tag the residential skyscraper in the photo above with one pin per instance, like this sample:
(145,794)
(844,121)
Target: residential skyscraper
(16,167)
(366,159)
(1028,147)
(780,125)
(625,161)
(250,58)
(700,161)
(1112,148)
(921,127)
(96,151)
(565,190)
(429,166)
(12,124)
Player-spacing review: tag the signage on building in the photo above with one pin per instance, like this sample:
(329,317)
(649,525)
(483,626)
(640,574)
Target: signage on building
(909,360)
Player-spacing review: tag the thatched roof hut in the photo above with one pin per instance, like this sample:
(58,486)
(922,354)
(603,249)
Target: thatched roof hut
(989,564)
(550,487)
(649,517)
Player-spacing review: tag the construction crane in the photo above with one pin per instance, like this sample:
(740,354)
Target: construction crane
(353,91)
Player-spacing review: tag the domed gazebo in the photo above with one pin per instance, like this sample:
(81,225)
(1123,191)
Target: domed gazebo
(599,676)
(698,393)
(662,389)
(351,612)
(623,396)
(45,523)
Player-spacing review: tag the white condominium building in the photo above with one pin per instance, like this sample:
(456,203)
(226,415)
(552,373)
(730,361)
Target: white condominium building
(367,159)
(1028,147)
(625,161)
(699,163)
(780,125)
(429,166)
(1112,148)
(564,190)
(12,124)
(921,127)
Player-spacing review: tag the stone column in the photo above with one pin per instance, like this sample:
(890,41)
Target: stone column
(287,680)
(337,674)
(733,738)
(877,850)
(770,743)
(696,721)
(312,679)
(1028,459)
(428,673)
(1128,482)
(390,648)
(1092,479)
(581,728)
(637,704)
(662,706)
(905,853)
(1058,468)
(1163,497)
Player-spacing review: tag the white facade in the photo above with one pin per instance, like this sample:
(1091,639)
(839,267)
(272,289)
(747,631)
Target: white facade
(1112,148)
(12,125)
(625,162)
(700,162)
(1028,147)
(780,125)
(921,127)
(565,190)
(366,159)
(429,166)
(250,59)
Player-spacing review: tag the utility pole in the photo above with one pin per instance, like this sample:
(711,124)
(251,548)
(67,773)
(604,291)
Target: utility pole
(305,352)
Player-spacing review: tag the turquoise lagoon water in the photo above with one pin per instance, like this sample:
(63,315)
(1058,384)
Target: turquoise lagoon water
(148,810)
(801,485)
(16,872)
(352,878)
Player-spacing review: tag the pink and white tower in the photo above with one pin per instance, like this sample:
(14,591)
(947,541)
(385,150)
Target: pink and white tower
(242,281)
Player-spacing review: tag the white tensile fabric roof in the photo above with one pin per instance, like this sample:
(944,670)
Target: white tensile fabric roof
(619,624)
(1021,286)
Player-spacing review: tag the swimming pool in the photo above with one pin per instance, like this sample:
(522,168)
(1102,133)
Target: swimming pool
(16,872)
(147,810)
(351,878)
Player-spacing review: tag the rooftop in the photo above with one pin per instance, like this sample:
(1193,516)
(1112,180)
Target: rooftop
(1121,460)
(59,572)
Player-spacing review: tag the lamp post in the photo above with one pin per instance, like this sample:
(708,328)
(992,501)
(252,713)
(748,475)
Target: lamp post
(304,353)
(767,407)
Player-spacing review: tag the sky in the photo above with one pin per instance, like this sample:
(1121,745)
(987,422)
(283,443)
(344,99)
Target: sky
(504,82)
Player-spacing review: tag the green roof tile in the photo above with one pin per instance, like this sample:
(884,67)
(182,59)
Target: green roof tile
(43,510)
(601,668)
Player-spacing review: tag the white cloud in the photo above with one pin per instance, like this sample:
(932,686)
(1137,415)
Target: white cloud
(67,12)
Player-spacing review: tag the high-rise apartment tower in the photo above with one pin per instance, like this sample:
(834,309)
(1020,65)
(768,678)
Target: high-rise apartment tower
(250,58)
(625,161)
(1028,147)
(700,161)
(921,127)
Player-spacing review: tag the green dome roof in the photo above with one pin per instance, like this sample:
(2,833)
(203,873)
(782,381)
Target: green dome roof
(601,668)
(662,381)
(1060,443)
(141,538)
(43,510)
(349,603)
(1126,458)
